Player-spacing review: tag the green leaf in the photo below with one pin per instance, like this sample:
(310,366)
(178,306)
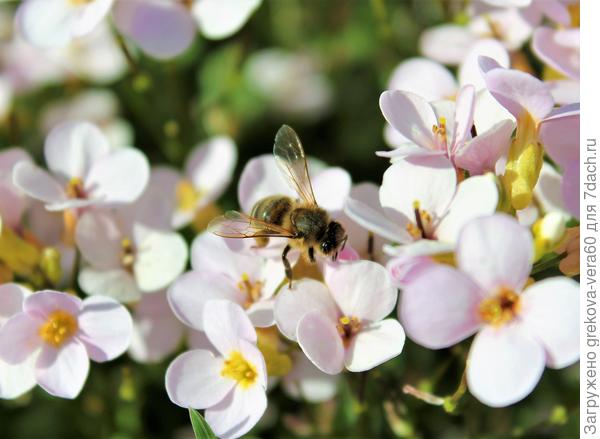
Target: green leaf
(201,428)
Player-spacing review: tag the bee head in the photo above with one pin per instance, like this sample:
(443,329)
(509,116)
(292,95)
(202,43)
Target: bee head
(335,237)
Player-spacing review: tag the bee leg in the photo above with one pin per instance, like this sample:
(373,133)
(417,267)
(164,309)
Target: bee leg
(286,264)
(311,255)
(370,246)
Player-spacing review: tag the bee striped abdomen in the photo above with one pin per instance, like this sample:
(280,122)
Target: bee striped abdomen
(272,210)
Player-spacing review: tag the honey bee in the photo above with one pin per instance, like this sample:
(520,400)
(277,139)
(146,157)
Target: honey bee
(307,226)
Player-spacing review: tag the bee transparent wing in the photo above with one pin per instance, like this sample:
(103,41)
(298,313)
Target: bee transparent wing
(238,225)
(290,158)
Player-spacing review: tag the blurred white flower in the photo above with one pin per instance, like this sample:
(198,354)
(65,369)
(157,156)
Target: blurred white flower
(292,83)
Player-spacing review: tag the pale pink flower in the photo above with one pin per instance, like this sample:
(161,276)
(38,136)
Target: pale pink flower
(557,129)
(444,127)
(126,257)
(428,213)
(231,384)
(306,382)
(342,324)
(208,171)
(221,271)
(84,170)
(13,201)
(519,329)
(63,333)
(15,380)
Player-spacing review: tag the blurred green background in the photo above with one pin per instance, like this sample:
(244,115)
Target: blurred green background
(353,46)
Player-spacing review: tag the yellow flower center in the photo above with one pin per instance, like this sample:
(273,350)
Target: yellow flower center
(440,133)
(75,188)
(237,368)
(187,196)
(500,308)
(348,326)
(252,290)
(422,223)
(59,328)
(127,253)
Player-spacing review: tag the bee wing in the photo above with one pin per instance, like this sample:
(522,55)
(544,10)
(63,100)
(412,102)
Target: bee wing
(238,225)
(290,158)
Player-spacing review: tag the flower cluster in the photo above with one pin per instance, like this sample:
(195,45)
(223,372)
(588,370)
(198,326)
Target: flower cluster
(471,233)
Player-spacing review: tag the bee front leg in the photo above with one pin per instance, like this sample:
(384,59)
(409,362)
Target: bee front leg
(286,264)
(311,255)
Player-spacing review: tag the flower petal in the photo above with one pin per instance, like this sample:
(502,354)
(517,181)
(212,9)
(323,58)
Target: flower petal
(37,183)
(411,115)
(374,345)
(105,328)
(423,77)
(504,365)
(157,333)
(481,154)
(469,71)
(15,380)
(551,310)
(118,284)
(463,119)
(160,258)
(71,149)
(43,303)
(11,300)
(99,240)
(320,341)
(210,166)
(226,325)
(62,372)
(439,307)
(332,187)
(430,181)
(495,251)
(559,134)
(447,43)
(475,197)
(561,54)
(362,289)
(194,380)
(163,29)
(118,178)
(308,382)
(19,339)
(219,19)
(235,415)
(291,305)
(192,290)
(519,91)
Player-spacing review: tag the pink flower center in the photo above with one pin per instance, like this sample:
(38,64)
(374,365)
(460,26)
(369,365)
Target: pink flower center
(58,328)
(252,290)
(347,327)
(501,308)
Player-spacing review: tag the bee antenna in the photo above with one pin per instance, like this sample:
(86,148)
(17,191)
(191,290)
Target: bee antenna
(344,242)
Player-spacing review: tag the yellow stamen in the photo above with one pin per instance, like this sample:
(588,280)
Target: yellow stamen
(187,196)
(252,290)
(237,368)
(525,159)
(75,188)
(347,327)
(501,308)
(80,2)
(127,253)
(59,328)
(440,132)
